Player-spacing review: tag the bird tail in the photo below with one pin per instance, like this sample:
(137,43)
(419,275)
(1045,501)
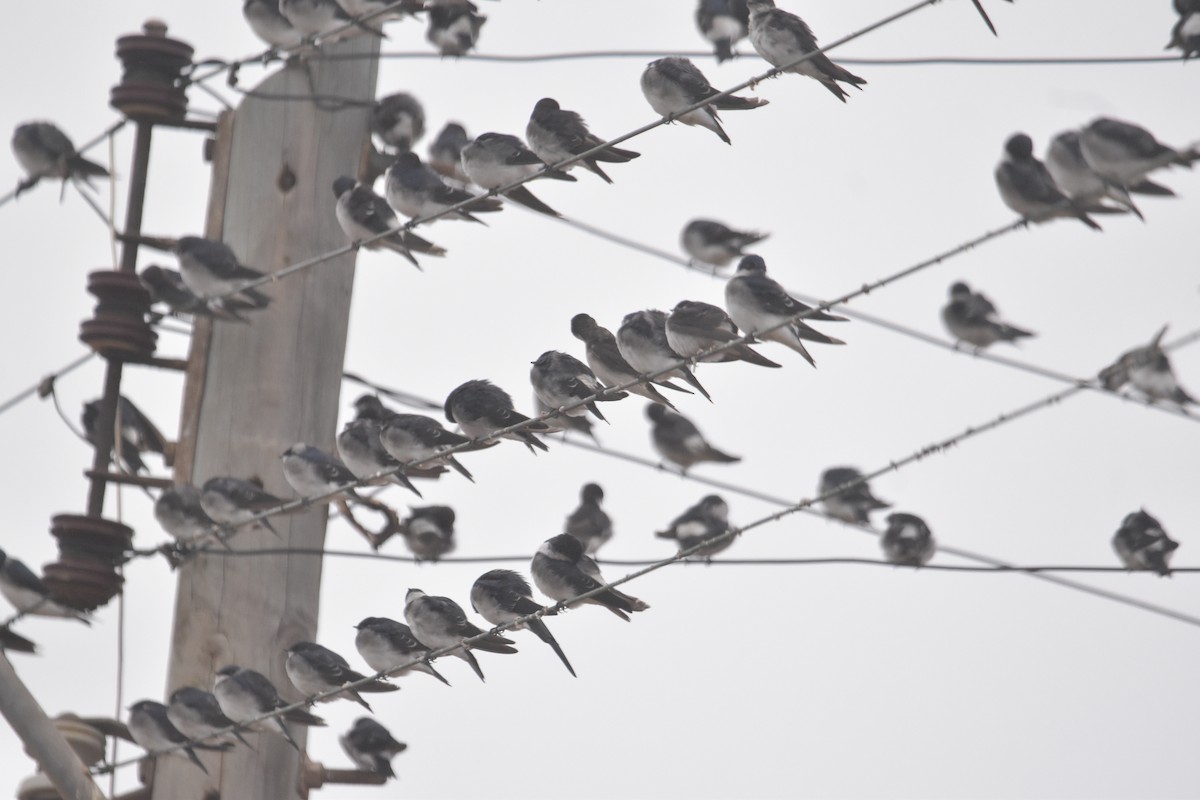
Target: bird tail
(542,632)
(428,668)
(469,657)
(529,200)
(454,462)
(191,754)
(986,20)
(1010,333)
(532,441)
(402,479)
(615,155)
(421,245)
(81,167)
(377,687)
(750,355)
(724,50)
(302,717)
(1149,187)
(396,244)
(735,103)
(714,454)
(591,164)
(691,379)
(494,644)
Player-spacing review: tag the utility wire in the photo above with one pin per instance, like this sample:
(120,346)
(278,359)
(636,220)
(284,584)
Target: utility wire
(48,381)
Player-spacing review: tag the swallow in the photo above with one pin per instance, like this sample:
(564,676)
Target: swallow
(454,26)
(385,644)
(1142,544)
(312,472)
(398,120)
(673,84)
(317,17)
(313,669)
(429,532)
(986,19)
(560,379)
(1124,153)
(480,408)
(197,715)
(561,423)
(604,357)
(29,595)
(416,191)
(970,317)
(153,732)
(439,622)
(724,23)
(1185,34)
(853,504)
(414,437)
(270,25)
(244,694)
(556,134)
(712,242)
(1028,189)
(179,512)
(363,215)
(781,38)
(502,596)
(907,541)
(756,303)
(1070,171)
(1149,369)
(212,271)
(679,441)
(369,406)
(589,523)
(693,327)
(701,522)
(445,153)
(167,286)
(138,434)
(562,572)
(363,452)
(371,747)
(230,501)
(642,340)
(44,151)
(495,160)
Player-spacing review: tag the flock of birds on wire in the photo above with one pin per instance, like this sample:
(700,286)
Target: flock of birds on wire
(1091,171)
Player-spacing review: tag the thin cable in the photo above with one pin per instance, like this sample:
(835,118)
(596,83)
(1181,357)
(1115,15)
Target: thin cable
(46,381)
(112,200)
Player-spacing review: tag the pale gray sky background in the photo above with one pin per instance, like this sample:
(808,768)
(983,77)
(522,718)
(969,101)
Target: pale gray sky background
(837,681)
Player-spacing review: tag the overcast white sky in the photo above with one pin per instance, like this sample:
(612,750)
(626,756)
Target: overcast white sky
(832,681)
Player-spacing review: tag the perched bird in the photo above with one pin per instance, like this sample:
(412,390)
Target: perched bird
(29,595)
(562,572)
(197,715)
(713,243)
(153,732)
(693,327)
(563,423)
(604,357)
(1027,188)
(429,532)
(907,541)
(439,622)
(167,286)
(703,521)
(232,501)
(44,151)
(362,449)
(642,340)
(371,747)
(398,120)
(244,694)
(316,17)
(445,153)
(673,84)
(480,408)
(678,440)
(212,270)
(414,437)
(556,134)
(369,406)
(560,379)
(757,303)
(1125,153)
(854,504)
(589,523)
(502,596)
(311,472)
(1070,171)
(1149,369)
(495,160)
(970,317)
(138,434)
(181,514)
(314,669)
(417,191)
(384,644)
(1185,34)
(270,25)
(986,19)
(454,26)
(363,215)
(781,38)
(724,23)
(1142,543)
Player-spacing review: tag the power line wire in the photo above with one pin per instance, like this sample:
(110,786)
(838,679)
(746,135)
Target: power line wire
(46,384)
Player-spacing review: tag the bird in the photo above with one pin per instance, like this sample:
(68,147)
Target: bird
(1185,33)
(560,379)
(781,38)
(1070,171)
(1142,544)
(480,408)
(398,120)
(703,521)
(415,437)
(642,340)
(152,730)
(44,151)
(364,215)
(314,669)
(244,695)
(562,572)
(693,327)
(454,26)
(852,504)
(270,25)
(197,715)
(502,596)
(1149,369)
(371,747)
(674,84)
(312,472)
(212,270)
(756,303)
(907,541)
(29,595)
(138,434)
(416,191)
(715,243)
(233,501)
(363,452)
(385,644)
(167,286)
(1028,189)
(561,423)
(179,512)
(556,134)
(429,532)
(320,17)
(678,440)
(1124,153)
(724,23)
(495,160)
(604,357)
(445,152)
(589,523)
(369,406)
(970,317)
(986,19)
(439,622)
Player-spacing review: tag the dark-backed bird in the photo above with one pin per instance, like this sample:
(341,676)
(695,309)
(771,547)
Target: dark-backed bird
(853,504)
(29,595)
(212,271)
(429,532)
(556,134)
(907,541)
(562,572)
(604,357)
(398,119)
(560,379)
(715,243)
(385,644)
(781,38)
(445,153)
(364,215)
(1027,188)
(496,160)
(371,747)
(1142,544)
(671,85)
(1149,370)
(244,694)
(1125,153)
(703,521)
(970,317)
(44,151)
(197,715)
(678,440)
(234,501)
(312,472)
(415,437)
(179,512)
(502,596)
(439,622)
(153,732)
(589,523)
(362,450)
(313,669)
(416,191)
(454,26)
(693,327)
(724,23)
(642,340)
(480,408)
(1070,171)
(138,434)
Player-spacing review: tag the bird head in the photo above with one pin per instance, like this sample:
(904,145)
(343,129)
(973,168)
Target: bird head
(592,493)
(1019,147)
(342,185)
(752,264)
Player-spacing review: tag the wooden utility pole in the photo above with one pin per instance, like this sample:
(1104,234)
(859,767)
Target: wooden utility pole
(254,390)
